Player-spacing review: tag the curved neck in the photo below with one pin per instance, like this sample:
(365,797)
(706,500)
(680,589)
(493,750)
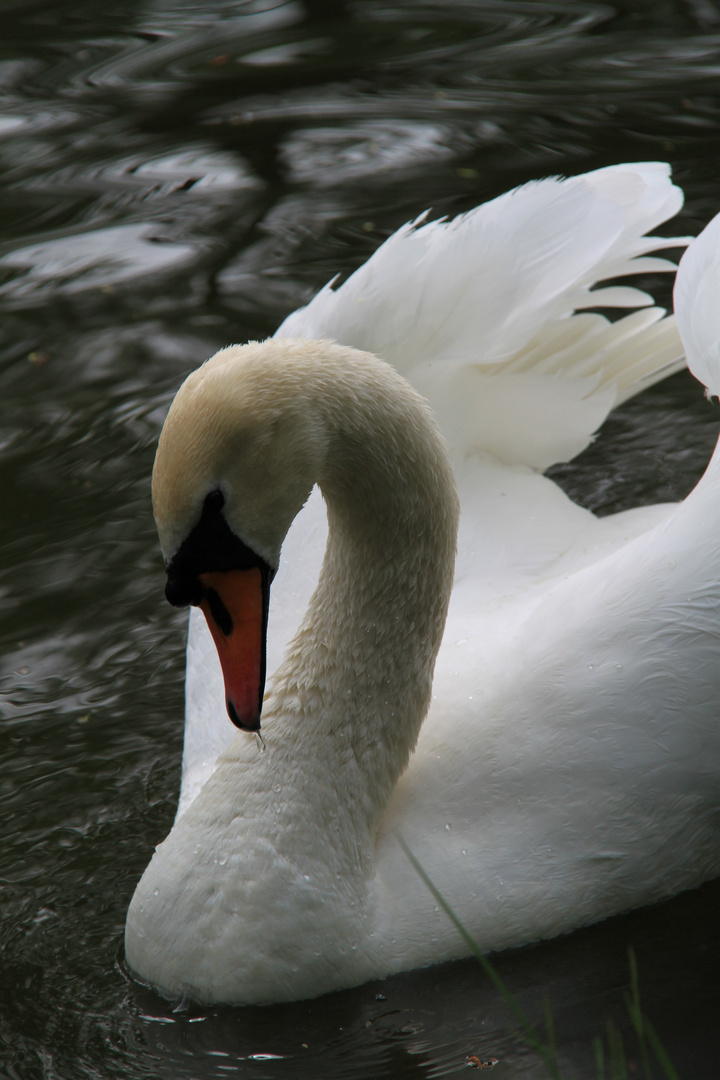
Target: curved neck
(356,681)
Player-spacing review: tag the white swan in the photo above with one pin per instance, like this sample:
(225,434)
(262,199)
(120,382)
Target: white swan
(568,765)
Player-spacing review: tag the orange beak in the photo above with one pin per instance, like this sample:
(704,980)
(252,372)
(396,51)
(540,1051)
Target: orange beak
(235,605)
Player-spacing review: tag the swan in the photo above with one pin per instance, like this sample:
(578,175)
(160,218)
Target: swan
(536,715)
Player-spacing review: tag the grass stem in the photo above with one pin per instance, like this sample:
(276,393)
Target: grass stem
(615,1062)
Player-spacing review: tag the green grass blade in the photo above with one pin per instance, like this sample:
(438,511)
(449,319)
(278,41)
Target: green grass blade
(660,1053)
(550,1029)
(528,1031)
(632,1003)
(616,1051)
(616,1062)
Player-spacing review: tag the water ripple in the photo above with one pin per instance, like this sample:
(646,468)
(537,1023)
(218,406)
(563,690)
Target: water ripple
(177,175)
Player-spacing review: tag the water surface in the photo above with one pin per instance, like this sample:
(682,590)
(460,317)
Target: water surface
(176,176)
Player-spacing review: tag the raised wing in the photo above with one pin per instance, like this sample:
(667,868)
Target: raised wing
(487,314)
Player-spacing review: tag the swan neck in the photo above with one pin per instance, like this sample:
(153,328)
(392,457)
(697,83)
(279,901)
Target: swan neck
(357,678)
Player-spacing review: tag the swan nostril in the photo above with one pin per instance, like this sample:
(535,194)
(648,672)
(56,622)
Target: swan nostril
(219,612)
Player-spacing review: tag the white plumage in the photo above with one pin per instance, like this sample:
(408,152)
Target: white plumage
(568,766)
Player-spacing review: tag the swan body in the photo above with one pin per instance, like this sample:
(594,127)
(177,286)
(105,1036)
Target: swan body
(538,722)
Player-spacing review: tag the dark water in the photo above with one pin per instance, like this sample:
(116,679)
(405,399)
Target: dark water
(175,176)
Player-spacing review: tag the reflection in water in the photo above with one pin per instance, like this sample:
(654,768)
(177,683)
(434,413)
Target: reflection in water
(174,178)
(325,156)
(194,169)
(95,260)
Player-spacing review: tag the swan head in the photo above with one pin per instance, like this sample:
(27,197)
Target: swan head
(237,458)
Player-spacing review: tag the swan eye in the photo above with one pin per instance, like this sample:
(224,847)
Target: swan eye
(210,546)
(214,502)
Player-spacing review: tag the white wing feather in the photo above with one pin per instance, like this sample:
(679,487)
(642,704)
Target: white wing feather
(479,310)
(697,300)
